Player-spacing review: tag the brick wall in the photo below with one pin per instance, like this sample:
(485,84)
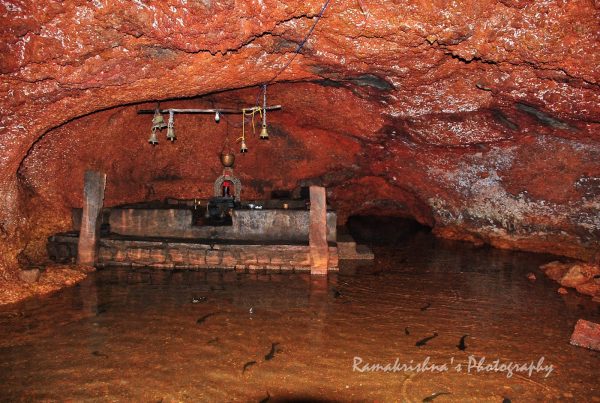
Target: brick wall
(190,255)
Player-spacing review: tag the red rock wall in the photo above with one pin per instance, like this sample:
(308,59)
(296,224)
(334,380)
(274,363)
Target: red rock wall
(477,117)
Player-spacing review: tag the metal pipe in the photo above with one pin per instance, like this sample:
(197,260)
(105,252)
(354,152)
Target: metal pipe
(151,111)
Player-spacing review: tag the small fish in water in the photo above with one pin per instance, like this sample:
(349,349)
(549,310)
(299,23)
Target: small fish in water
(506,400)
(202,319)
(406,332)
(248,365)
(99,354)
(424,341)
(433,396)
(102,308)
(424,308)
(196,300)
(461,345)
(266,399)
(271,354)
(214,340)
(336,293)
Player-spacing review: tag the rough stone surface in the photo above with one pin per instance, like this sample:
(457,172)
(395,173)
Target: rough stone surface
(556,270)
(586,334)
(29,275)
(591,288)
(584,277)
(479,119)
(579,274)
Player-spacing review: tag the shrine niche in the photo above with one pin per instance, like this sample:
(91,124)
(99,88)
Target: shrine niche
(225,182)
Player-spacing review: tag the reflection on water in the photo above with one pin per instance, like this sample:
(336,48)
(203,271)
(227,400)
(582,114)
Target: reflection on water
(134,334)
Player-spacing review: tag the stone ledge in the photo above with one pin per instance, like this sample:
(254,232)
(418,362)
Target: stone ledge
(163,254)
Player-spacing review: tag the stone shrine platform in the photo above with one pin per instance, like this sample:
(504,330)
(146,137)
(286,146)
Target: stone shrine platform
(162,253)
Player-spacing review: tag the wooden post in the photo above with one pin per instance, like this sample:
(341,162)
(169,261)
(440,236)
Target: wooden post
(89,234)
(317,236)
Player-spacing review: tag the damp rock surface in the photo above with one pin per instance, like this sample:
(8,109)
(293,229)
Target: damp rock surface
(479,119)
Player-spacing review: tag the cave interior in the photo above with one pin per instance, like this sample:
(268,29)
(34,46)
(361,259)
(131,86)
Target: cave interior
(450,137)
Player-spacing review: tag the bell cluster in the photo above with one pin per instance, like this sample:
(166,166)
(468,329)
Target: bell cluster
(158,121)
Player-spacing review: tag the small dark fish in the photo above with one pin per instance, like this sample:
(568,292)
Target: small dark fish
(271,354)
(248,365)
(266,399)
(99,354)
(202,319)
(461,345)
(424,308)
(406,332)
(213,340)
(433,396)
(424,341)
(196,300)
(336,293)
(102,308)
(506,400)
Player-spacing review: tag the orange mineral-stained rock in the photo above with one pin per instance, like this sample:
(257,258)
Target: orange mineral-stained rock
(586,334)
(480,122)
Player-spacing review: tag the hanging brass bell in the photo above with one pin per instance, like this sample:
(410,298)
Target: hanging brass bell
(243,148)
(227,159)
(158,122)
(153,139)
(171,133)
(264,135)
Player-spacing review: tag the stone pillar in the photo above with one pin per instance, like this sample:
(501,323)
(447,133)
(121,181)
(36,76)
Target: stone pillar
(89,234)
(317,236)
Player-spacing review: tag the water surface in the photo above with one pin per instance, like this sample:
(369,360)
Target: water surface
(132,335)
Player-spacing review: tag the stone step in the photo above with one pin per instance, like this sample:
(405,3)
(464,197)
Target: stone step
(349,250)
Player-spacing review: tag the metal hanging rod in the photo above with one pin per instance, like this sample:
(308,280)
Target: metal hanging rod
(174,110)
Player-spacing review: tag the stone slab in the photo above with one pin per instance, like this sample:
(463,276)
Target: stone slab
(586,334)
(272,225)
